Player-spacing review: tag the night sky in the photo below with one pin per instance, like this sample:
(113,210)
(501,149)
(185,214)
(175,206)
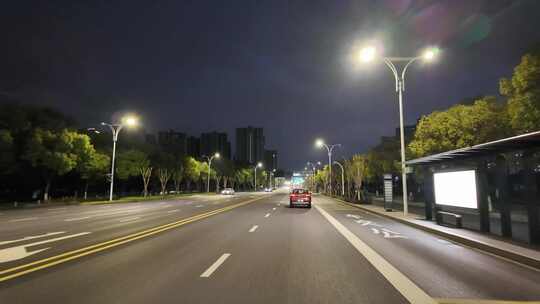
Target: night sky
(198,66)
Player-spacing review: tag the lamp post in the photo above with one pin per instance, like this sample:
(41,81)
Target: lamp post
(259,165)
(320,143)
(272,178)
(342,177)
(129,121)
(369,54)
(216,155)
(314,170)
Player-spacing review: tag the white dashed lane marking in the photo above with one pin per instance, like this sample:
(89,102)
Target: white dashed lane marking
(215,266)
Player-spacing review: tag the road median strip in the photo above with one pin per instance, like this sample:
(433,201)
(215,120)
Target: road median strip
(74,254)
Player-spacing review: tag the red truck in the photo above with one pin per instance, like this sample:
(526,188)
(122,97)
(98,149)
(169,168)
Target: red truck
(300,197)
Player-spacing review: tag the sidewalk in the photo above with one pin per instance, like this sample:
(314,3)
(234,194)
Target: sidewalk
(487,243)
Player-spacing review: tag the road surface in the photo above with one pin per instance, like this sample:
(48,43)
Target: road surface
(247,248)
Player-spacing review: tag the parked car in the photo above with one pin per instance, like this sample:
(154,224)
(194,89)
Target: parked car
(227,191)
(300,197)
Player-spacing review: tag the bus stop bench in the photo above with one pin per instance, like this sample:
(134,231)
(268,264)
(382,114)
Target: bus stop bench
(440,218)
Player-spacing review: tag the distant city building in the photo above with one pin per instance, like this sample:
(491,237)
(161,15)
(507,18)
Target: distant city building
(173,142)
(270,160)
(250,145)
(150,139)
(215,142)
(194,146)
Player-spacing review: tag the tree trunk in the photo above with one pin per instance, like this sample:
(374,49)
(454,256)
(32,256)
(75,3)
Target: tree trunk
(217,183)
(46,190)
(146,173)
(86,190)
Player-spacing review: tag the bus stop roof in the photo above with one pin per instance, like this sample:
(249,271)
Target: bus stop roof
(523,141)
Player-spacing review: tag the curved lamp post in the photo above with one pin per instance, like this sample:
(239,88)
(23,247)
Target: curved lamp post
(129,121)
(368,54)
(329,148)
(209,159)
(342,177)
(259,165)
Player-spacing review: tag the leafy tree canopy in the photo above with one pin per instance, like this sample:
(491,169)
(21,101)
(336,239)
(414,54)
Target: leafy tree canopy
(460,126)
(523,93)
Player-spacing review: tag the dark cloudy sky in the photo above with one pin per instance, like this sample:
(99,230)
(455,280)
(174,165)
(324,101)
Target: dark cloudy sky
(200,65)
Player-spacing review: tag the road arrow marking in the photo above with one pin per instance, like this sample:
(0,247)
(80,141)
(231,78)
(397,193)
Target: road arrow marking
(401,282)
(20,252)
(26,238)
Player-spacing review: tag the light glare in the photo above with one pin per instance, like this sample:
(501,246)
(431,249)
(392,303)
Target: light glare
(367,54)
(130,121)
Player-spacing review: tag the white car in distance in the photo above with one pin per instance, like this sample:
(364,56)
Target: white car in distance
(227,191)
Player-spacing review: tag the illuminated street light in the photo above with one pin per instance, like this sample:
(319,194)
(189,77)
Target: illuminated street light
(259,165)
(128,121)
(216,155)
(430,54)
(368,54)
(320,143)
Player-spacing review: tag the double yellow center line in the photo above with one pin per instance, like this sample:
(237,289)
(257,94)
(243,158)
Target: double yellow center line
(78,253)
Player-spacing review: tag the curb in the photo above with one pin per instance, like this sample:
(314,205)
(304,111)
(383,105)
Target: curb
(522,259)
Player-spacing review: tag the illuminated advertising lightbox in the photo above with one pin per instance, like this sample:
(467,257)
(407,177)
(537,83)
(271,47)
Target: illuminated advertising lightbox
(457,188)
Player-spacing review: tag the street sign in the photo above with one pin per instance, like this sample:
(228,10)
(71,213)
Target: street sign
(388,197)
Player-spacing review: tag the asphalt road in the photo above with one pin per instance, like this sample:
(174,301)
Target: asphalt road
(250,248)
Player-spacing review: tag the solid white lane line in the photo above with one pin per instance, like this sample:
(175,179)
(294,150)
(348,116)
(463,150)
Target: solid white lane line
(404,285)
(253,228)
(175,210)
(199,206)
(215,266)
(274,208)
(31,237)
(77,219)
(267,215)
(129,219)
(23,219)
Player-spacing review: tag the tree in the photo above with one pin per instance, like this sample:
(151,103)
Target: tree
(460,126)
(166,165)
(523,93)
(93,168)
(358,170)
(132,163)
(7,153)
(192,171)
(56,153)
(178,173)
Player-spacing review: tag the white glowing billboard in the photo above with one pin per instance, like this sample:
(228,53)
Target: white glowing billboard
(457,188)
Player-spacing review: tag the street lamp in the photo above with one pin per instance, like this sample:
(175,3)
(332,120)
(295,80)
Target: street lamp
(128,121)
(259,165)
(342,178)
(320,143)
(272,178)
(216,155)
(368,54)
